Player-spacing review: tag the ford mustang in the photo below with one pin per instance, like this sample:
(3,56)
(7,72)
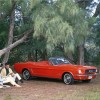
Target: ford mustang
(56,67)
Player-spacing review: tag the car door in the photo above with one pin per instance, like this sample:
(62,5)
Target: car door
(49,70)
(40,70)
(54,71)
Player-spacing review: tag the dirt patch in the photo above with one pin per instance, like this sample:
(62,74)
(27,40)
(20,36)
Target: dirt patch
(51,89)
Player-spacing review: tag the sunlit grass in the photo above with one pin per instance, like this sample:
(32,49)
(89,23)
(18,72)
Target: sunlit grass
(61,95)
(78,95)
(70,92)
(8,97)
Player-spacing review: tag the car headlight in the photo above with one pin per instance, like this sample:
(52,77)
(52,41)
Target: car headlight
(80,71)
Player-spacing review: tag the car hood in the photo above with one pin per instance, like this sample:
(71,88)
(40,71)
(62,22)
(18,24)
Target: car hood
(78,66)
(85,67)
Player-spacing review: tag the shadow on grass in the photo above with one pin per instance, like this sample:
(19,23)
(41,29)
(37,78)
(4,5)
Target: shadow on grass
(42,79)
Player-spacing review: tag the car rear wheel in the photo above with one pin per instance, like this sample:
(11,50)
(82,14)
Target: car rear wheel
(26,74)
(68,79)
(86,81)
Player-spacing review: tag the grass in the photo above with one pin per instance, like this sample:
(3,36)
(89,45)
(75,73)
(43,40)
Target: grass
(8,97)
(93,94)
(72,92)
(78,95)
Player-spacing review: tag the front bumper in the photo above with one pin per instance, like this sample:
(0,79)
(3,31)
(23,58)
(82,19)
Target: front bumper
(84,76)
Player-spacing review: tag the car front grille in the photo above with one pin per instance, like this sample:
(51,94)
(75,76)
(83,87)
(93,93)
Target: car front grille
(90,71)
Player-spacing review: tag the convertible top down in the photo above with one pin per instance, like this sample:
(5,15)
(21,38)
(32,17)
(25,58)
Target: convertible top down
(56,67)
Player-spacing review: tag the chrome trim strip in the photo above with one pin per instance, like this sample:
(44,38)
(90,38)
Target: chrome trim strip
(86,75)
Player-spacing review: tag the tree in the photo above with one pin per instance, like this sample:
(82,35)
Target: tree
(92,48)
(3,51)
(61,23)
(11,29)
(8,9)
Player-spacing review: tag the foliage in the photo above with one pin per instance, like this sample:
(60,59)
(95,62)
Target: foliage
(63,25)
(59,27)
(3,33)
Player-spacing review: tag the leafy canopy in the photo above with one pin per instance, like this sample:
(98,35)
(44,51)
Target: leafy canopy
(61,22)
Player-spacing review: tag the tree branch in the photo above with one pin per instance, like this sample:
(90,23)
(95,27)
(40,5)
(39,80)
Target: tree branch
(3,51)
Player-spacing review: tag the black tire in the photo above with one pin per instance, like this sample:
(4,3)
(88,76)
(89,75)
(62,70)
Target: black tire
(68,79)
(86,81)
(26,74)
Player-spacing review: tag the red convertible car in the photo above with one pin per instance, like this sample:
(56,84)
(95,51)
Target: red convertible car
(56,67)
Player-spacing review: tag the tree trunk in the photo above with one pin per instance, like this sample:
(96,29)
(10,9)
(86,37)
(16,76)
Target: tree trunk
(3,51)
(81,54)
(70,57)
(10,36)
(36,54)
(43,54)
(30,57)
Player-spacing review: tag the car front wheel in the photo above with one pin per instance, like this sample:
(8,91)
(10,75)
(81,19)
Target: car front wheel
(68,79)
(26,74)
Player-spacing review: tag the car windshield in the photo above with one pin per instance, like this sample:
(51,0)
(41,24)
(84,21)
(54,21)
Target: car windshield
(58,61)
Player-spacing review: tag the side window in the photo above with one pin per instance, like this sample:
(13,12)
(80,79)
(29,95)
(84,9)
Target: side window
(60,62)
(53,61)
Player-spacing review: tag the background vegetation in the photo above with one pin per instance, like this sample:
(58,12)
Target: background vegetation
(33,30)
